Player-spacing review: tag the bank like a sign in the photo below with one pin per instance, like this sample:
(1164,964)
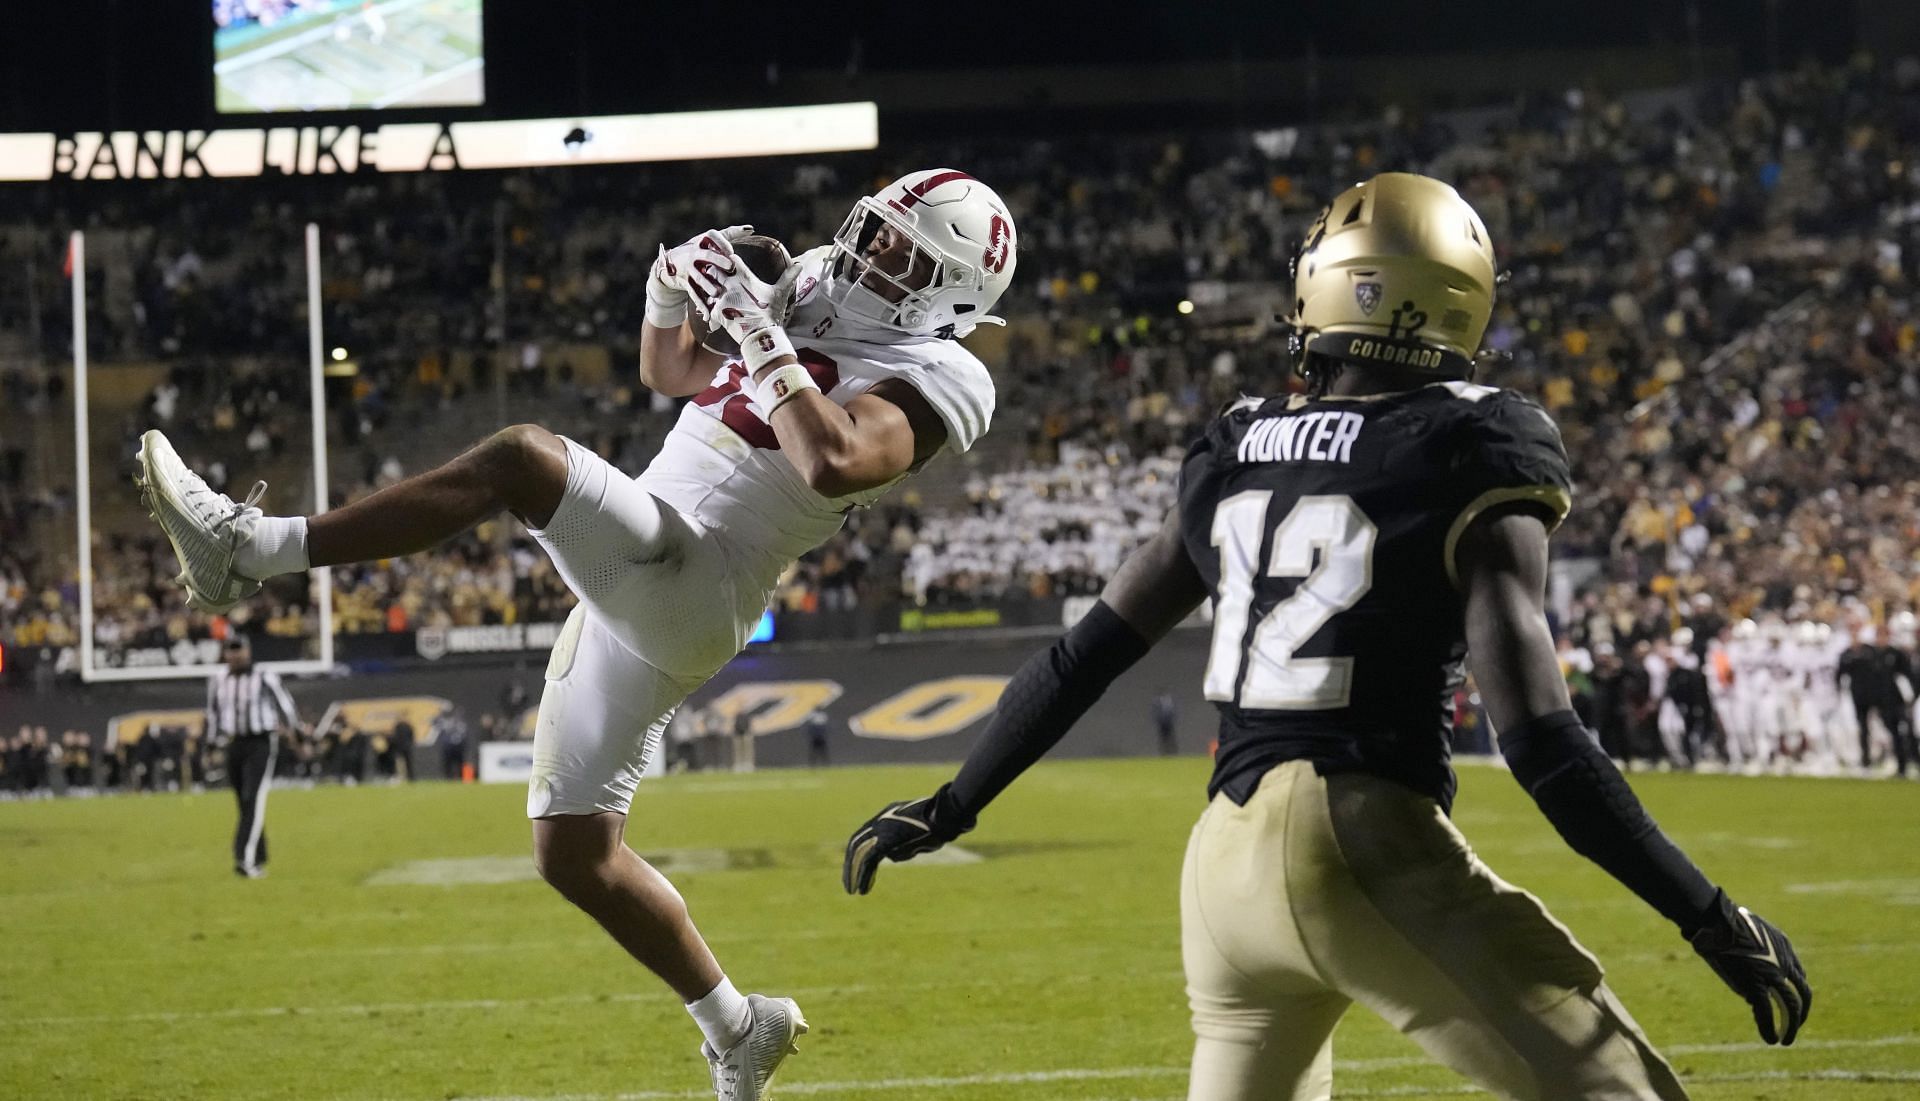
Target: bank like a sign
(437,146)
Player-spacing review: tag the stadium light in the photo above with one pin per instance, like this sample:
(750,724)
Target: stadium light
(1185,306)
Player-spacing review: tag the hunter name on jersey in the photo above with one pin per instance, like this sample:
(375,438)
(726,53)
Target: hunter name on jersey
(1324,435)
(1326,529)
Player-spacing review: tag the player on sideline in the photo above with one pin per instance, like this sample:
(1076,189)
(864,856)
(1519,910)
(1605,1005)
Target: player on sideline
(849,379)
(1358,543)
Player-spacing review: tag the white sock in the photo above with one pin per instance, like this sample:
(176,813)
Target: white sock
(278,545)
(722,1015)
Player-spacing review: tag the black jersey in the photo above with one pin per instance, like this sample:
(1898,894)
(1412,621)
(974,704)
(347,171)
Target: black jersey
(1326,529)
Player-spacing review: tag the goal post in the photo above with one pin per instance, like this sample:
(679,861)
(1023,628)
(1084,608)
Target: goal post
(93,668)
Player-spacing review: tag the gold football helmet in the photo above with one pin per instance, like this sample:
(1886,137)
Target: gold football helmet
(1396,271)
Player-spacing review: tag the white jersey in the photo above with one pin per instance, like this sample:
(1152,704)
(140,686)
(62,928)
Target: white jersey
(722,465)
(1779,668)
(1744,658)
(1657,667)
(1819,662)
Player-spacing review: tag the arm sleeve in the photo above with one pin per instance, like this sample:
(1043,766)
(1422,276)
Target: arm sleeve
(1560,763)
(282,700)
(1508,452)
(1043,701)
(961,393)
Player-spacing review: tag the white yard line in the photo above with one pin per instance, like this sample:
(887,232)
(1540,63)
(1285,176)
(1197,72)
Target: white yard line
(1025,1078)
(1907,1040)
(1822,1074)
(791,1089)
(367,1009)
(1815,950)
(592,941)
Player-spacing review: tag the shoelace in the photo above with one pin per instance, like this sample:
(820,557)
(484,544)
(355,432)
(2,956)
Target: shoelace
(726,1080)
(210,505)
(258,491)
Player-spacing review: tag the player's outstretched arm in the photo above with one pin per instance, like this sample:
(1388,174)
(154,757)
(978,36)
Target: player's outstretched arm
(1503,571)
(1154,589)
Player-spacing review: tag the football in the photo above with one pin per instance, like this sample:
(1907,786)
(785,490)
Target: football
(764,257)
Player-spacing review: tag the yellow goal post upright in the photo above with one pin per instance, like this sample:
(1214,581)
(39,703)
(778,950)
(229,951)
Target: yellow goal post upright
(92,669)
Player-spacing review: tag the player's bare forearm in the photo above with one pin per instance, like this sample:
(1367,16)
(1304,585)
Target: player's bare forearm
(1157,586)
(672,362)
(870,441)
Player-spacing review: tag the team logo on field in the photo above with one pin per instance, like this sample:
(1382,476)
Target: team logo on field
(1368,295)
(999,244)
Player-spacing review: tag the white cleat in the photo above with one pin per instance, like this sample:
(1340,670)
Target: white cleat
(204,527)
(744,1071)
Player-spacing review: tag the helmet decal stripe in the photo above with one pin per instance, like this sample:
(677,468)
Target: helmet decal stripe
(918,191)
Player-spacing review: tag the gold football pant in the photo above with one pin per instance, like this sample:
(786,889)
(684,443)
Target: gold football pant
(1321,892)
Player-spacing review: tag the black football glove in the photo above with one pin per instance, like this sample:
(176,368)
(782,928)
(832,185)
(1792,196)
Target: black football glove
(1757,961)
(901,831)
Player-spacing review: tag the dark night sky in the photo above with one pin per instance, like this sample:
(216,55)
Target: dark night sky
(104,64)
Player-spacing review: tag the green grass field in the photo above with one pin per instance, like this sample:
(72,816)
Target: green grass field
(137,966)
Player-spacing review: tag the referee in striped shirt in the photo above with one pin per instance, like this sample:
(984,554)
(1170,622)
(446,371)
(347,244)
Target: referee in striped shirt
(246,709)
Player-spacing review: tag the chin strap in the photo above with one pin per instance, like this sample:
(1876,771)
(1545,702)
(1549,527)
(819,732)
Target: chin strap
(958,330)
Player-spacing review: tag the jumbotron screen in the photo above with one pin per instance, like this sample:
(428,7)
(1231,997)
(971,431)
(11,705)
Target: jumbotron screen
(331,55)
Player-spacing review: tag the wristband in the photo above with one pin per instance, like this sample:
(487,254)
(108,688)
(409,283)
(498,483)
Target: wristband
(763,346)
(783,384)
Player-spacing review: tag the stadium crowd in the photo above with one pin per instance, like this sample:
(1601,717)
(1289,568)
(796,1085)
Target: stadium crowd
(174,756)
(1713,293)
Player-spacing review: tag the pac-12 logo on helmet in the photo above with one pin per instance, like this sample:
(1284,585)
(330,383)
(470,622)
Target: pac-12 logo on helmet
(960,259)
(1368,297)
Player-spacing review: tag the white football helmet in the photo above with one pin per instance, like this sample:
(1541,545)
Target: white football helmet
(962,237)
(1746,629)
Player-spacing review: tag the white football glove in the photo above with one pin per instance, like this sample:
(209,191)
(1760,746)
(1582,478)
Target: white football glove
(693,268)
(752,311)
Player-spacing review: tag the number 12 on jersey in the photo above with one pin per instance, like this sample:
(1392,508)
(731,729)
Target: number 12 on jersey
(1328,542)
